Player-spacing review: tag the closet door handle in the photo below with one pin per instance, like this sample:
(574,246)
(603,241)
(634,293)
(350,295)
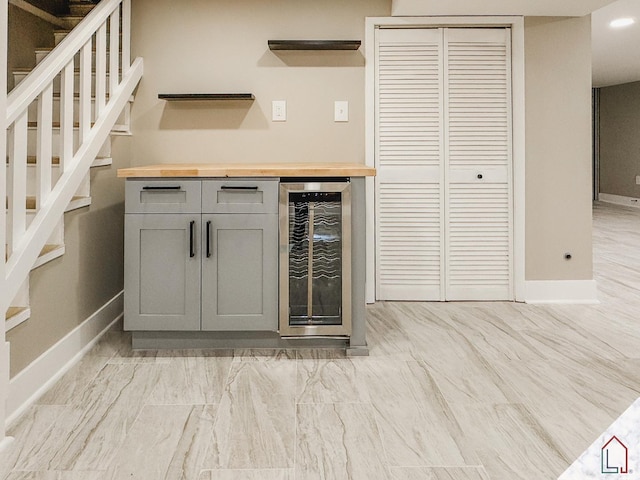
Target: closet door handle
(192,250)
(209,253)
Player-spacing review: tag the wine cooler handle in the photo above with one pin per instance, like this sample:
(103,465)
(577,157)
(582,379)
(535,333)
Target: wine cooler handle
(192,225)
(209,239)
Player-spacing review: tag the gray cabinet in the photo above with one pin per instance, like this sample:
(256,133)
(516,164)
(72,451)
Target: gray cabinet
(162,272)
(201,255)
(239,272)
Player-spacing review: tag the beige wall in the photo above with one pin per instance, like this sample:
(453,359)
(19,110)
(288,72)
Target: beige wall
(558,148)
(221,46)
(68,290)
(224,49)
(620,139)
(26,33)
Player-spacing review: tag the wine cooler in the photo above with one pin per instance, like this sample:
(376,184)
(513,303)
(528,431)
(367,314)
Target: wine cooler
(315,258)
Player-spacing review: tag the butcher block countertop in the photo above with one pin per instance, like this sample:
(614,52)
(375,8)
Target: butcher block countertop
(249,170)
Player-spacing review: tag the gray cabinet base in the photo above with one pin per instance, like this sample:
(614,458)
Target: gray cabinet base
(146,340)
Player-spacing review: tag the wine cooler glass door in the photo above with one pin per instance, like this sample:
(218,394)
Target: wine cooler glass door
(315,259)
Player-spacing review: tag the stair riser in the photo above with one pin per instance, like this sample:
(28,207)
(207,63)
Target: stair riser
(56,237)
(22,297)
(33,111)
(41,54)
(71,21)
(105,150)
(84,190)
(31,178)
(59,36)
(80,9)
(19,76)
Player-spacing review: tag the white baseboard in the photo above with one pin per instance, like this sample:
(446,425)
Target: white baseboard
(28,385)
(561,291)
(619,200)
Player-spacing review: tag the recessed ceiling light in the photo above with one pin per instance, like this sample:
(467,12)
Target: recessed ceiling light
(622,22)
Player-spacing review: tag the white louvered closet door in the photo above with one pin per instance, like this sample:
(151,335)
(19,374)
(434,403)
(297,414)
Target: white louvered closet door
(478,164)
(409,221)
(443,154)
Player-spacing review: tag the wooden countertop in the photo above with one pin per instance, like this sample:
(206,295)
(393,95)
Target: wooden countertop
(249,170)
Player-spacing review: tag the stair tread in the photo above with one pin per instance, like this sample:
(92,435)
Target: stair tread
(31,201)
(50,49)
(13,311)
(33,160)
(20,70)
(68,30)
(54,124)
(48,248)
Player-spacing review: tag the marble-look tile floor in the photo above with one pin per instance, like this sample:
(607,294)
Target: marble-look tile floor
(456,391)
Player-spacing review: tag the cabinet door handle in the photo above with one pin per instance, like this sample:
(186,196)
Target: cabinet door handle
(239,188)
(209,239)
(166,187)
(192,226)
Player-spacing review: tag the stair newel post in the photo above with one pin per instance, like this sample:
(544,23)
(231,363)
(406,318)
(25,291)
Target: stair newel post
(66,115)
(126,36)
(85,92)
(4,300)
(44,149)
(101,69)
(17,182)
(114,50)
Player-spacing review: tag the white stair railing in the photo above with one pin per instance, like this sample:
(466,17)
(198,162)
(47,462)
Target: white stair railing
(24,242)
(109,23)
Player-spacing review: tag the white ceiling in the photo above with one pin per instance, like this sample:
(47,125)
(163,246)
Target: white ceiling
(559,8)
(616,52)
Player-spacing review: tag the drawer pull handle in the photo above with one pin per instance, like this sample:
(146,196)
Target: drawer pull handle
(168,187)
(209,239)
(479,176)
(239,189)
(192,252)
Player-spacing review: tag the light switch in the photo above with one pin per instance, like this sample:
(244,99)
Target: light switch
(279,110)
(637,179)
(341,112)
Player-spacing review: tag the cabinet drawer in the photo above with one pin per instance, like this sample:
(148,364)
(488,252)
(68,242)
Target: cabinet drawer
(162,196)
(240,196)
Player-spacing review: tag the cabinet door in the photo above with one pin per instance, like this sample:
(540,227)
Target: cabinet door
(162,272)
(240,272)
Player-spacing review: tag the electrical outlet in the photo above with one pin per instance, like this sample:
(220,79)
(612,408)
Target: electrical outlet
(279,110)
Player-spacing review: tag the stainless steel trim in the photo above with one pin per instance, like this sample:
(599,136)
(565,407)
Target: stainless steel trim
(285,329)
(310,263)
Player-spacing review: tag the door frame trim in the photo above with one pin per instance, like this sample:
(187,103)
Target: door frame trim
(516,23)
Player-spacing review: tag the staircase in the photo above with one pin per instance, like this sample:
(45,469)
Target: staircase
(59,121)
(101,55)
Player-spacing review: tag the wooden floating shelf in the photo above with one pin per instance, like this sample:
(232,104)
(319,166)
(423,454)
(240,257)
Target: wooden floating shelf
(205,96)
(314,44)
